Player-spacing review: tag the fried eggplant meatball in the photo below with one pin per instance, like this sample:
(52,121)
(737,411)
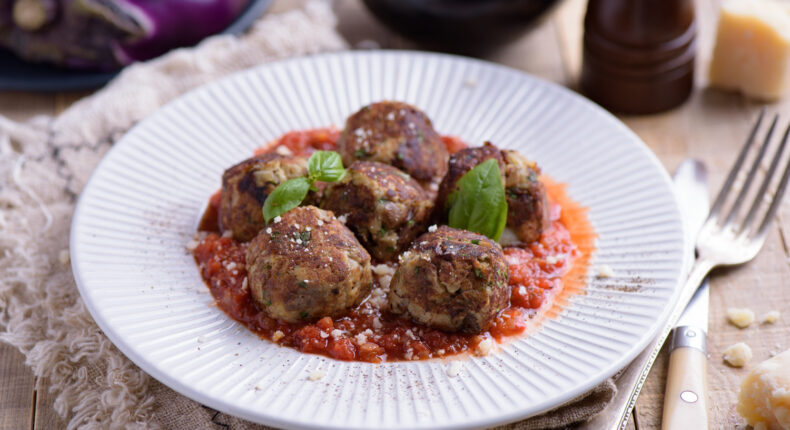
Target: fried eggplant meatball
(527,204)
(382,205)
(245,187)
(397,134)
(460,163)
(307,265)
(528,209)
(451,279)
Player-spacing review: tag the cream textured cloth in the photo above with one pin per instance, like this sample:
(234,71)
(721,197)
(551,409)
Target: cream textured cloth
(44,164)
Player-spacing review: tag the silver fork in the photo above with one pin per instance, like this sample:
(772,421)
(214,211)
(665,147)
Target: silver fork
(722,241)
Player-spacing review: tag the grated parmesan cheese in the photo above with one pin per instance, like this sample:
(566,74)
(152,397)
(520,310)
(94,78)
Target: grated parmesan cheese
(64,257)
(738,355)
(283,150)
(605,271)
(484,347)
(278,335)
(317,374)
(740,317)
(771,317)
(454,369)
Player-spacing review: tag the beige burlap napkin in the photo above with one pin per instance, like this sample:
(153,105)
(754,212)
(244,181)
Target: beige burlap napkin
(44,164)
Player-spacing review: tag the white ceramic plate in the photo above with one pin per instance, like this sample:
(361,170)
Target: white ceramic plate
(143,203)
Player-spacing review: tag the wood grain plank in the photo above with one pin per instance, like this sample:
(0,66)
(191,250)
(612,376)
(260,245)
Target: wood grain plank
(569,25)
(363,30)
(16,390)
(45,416)
(537,52)
(20,106)
(65,99)
(17,383)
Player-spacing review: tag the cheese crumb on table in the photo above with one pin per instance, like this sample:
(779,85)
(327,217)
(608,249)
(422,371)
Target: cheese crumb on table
(764,399)
(771,317)
(738,355)
(752,50)
(740,317)
(316,375)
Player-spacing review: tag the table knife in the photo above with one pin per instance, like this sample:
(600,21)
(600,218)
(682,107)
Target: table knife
(685,397)
(632,378)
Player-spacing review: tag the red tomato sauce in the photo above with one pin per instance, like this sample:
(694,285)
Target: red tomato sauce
(539,272)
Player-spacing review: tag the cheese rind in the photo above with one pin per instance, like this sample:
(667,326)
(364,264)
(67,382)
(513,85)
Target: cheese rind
(752,50)
(764,399)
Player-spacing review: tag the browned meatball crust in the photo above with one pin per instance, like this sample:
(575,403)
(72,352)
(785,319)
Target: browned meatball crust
(528,209)
(245,187)
(460,163)
(527,203)
(451,279)
(306,265)
(397,134)
(384,207)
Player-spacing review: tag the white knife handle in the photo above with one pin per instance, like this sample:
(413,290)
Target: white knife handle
(686,395)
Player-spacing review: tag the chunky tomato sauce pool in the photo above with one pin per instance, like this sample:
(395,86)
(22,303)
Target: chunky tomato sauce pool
(540,274)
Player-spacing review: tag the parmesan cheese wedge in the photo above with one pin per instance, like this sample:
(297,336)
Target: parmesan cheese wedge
(764,399)
(752,51)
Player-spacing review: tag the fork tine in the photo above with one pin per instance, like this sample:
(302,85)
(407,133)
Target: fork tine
(722,196)
(778,195)
(752,172)
(758,198)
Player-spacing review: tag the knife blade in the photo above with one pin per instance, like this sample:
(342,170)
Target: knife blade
(685,397)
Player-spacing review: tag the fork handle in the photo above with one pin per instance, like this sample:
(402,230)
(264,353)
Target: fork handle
(616,415)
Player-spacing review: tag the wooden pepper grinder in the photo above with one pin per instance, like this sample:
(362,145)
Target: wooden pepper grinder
(638,55)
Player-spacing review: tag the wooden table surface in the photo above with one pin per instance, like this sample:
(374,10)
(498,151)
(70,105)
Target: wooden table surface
(710,126)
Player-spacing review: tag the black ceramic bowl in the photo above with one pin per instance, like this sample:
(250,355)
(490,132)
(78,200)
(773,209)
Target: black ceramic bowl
(459,25)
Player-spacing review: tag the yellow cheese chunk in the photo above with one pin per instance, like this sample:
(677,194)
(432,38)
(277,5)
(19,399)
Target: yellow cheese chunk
(764,400)
(752,51)
(737,355)
(740,317)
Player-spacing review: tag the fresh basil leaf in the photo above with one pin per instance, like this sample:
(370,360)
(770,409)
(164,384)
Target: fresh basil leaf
(285,197)
(326,166)
(479,203)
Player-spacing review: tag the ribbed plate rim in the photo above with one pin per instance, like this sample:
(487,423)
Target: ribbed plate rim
(292,422)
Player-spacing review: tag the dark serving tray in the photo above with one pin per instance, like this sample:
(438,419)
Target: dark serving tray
(18,75)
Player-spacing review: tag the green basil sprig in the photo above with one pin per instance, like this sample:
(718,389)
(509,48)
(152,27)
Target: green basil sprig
(479,204)
(324,166)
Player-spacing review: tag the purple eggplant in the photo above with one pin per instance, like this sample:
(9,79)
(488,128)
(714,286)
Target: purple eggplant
(109,34)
